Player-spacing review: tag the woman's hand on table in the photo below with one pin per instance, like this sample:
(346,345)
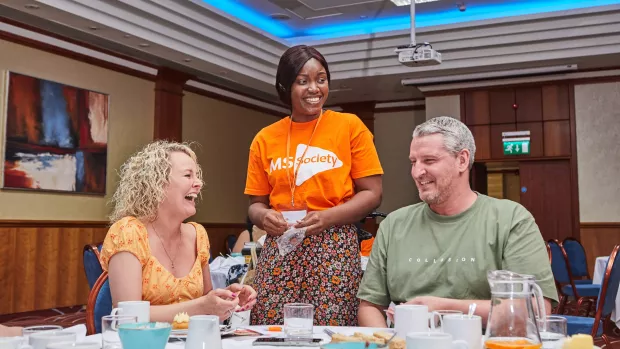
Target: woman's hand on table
(274,223)
(315,222)
(246,295)
(220,302)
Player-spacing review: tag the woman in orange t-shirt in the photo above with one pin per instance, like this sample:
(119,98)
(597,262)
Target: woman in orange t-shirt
(320,170)
(149,253)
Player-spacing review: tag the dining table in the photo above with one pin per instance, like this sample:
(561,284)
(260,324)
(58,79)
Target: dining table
(241,342)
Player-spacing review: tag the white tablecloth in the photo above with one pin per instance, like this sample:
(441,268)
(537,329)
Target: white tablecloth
(246,342)
(597,278)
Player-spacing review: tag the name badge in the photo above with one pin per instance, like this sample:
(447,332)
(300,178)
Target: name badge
(292,217)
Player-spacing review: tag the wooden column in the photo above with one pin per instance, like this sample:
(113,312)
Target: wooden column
(364,110)
(169,104)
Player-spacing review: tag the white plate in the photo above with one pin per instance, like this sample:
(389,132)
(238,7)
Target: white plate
(349,331)
(178,334)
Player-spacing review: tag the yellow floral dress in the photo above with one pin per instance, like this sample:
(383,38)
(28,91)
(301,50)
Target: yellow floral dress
(159,286)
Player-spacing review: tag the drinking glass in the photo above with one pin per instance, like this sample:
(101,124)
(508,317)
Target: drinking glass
(552,330)
(298,320)
(109,329)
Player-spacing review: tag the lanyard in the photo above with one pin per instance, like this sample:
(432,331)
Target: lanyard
(292,185)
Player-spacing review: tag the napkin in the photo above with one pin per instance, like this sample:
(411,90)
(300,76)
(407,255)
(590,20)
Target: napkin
(79,330)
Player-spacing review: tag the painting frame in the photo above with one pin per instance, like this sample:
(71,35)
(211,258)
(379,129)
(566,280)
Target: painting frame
(88,155)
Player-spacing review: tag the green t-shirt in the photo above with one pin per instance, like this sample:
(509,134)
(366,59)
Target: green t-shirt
(420,253)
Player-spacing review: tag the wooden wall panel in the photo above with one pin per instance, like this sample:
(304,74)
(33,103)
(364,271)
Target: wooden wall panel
(7,266)
(477,108)
(482,137)
(529,104)
(169,104)
(555,102)
(501,106)
(599,239)
(557,138)
(41,261)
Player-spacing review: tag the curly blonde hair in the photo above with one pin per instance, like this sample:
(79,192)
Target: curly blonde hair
(144,178)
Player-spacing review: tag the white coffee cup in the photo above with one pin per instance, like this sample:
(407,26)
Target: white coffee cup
(204,332)
(71,345)
(40,340)
(465,328)
(433,340)
(140,309)
(11,342)
(413,318)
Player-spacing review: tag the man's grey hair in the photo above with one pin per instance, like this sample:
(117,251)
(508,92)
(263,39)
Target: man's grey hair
(455,134)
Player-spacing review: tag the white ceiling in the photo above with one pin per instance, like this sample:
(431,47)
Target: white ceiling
(226,52)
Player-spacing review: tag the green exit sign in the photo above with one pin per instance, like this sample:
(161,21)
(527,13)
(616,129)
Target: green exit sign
(516,147)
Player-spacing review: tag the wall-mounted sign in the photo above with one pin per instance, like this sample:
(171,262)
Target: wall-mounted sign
(516,143)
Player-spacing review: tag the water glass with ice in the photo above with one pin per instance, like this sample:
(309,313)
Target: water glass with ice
(552,330)
(298,320)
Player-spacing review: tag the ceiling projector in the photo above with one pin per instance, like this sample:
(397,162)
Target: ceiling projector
(418,55)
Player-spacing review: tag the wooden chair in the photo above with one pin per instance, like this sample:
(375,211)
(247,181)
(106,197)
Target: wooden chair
(92,263)
(567,287)
(578,261)
(99,304)
(605,305)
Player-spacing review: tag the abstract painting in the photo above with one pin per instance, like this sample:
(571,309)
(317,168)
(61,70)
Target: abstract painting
(56,137)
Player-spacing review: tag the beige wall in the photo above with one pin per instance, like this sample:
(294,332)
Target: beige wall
(224,132)
(597,113)
(443,106)
(393,133)
(130,127)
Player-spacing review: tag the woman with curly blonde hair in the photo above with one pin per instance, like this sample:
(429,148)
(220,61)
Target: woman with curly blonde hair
(149,253)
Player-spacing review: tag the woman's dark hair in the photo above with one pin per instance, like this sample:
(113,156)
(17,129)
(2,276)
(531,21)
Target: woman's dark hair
(291,62)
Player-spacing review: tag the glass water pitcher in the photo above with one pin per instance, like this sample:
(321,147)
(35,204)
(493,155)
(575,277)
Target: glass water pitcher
(512,321)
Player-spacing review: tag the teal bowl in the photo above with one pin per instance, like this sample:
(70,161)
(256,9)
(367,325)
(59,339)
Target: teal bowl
(152,335)
(349,345)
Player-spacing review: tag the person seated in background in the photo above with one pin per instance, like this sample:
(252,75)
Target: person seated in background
(149,253)
(437,252)
(9,331)
(245,236)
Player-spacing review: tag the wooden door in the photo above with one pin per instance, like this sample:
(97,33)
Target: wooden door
(546,193)
(478,178)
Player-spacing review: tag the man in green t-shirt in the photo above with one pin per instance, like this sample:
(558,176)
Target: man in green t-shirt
(438,252)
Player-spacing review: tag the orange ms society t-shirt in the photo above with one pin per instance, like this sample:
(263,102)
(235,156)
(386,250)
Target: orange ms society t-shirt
(341,150)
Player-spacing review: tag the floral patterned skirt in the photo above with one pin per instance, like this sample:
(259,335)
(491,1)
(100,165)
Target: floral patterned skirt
(324,271)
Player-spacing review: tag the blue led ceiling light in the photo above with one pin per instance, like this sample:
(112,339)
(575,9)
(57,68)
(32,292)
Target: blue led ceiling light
(369,26)
(252,17)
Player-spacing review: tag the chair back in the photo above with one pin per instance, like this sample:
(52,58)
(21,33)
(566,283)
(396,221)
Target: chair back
(92,265)
(577,259)
(609,285)
(559,266)
(99,304)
